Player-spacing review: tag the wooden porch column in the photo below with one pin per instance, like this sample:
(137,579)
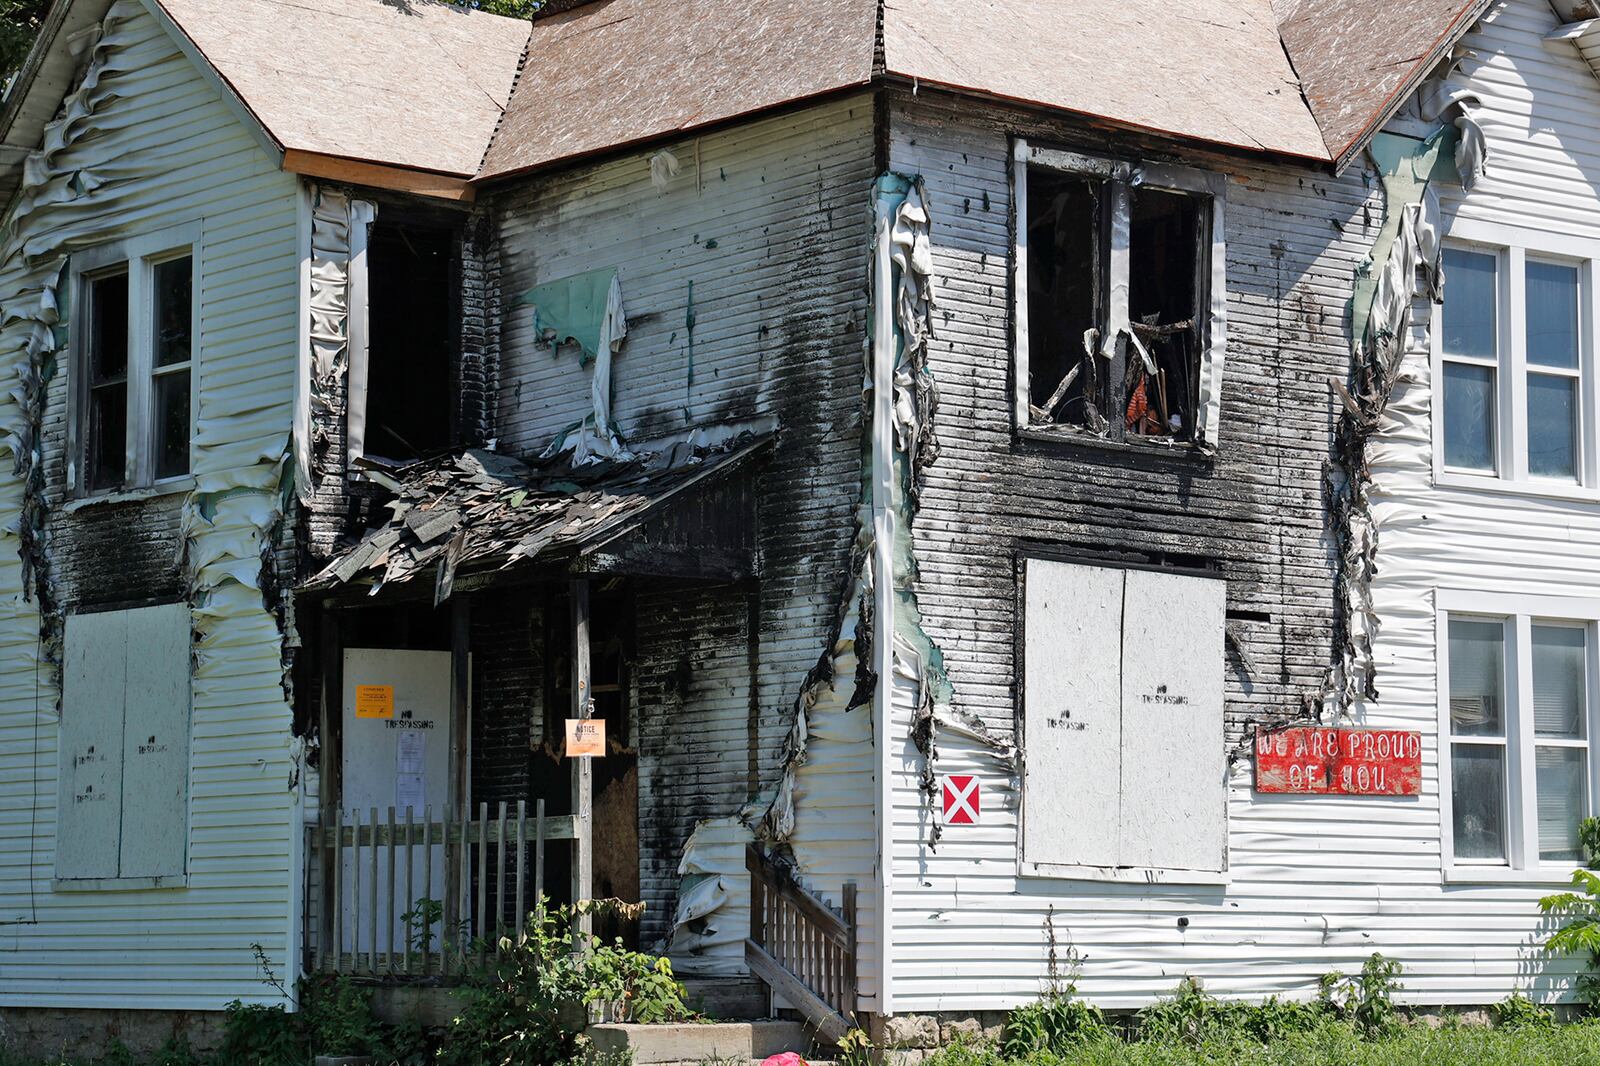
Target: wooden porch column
(459,778)
(582,768)
(329,765)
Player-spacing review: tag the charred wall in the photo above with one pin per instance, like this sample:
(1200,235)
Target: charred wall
(1252,511)
(744,283)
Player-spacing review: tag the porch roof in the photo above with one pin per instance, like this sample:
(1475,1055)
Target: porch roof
(678,512)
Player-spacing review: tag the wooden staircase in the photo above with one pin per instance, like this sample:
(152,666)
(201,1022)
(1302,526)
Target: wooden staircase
(801,947)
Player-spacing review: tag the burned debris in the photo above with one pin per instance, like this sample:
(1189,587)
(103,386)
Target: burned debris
(1117,301)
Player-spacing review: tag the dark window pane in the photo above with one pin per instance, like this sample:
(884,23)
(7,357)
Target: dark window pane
(173,319)
(172,424)
(1470,303)
(1552,426)
(1165,230)
(1477,678)
(1064,295)
(1559,700)
(108,328)
(1552,313)
(1561,775)
(1469,416)
(106,443)
(1477,789)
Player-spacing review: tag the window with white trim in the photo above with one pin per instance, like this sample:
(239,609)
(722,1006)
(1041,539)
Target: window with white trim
(1119,281)
(1519,709)
(133,348)
(1513,352)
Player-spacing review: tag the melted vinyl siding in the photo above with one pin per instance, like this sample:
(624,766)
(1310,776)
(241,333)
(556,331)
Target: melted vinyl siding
(191,947)
(774,234)
(1538,115)
(1317,883)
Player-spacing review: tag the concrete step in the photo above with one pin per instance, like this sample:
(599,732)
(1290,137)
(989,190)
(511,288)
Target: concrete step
(727,999)
(691,1042)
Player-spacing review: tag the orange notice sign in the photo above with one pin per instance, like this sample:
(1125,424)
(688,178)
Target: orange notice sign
(586,737)
(374,701)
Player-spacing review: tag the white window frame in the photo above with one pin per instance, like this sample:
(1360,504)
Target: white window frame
(1124,176)
(1513,248)
(140,256)
(1520,613)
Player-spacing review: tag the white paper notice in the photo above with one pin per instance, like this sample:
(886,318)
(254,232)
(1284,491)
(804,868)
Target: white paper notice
(408,770)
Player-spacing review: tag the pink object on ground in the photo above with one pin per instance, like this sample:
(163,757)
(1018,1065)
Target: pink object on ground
(785,1058)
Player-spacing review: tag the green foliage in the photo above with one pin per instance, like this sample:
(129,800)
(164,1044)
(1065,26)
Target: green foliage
(1518,1013)
(855,1049)
(1580,933)
(257,1035)
(19,24)
(517,9)
(1055,1024)
(424,914)
(529,1007)
(336,1016)
(1367,999)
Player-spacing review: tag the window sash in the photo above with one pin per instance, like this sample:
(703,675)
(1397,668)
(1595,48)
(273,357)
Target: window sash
(1121,177)
(1530,840)
(1516,464)
(140,258)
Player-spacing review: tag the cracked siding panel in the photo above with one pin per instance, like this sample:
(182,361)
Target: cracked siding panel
(780,310)
(1303,898)
(172,152)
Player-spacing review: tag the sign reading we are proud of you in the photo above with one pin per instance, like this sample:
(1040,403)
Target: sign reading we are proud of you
(1346,762)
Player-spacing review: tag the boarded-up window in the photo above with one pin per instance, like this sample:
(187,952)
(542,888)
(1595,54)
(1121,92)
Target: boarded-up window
(123,801)
(1122,719)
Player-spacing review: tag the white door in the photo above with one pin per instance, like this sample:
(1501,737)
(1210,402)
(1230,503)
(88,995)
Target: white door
(396,754)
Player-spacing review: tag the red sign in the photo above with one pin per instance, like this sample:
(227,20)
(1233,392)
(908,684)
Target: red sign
(962,800)
(1344,762)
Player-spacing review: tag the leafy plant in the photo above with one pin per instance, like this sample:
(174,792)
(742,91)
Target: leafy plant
(855,1049)
(1580,935)
(1186,1018)
(1366,1000)
(1518,1013)
(1055,1024)
(336,1016)
(528,1008)
(257,1035)
(424,914)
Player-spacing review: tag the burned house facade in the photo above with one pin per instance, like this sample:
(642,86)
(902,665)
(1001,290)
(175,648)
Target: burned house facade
(924,485)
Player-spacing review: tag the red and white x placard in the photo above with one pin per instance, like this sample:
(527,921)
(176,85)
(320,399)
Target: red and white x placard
(962,800)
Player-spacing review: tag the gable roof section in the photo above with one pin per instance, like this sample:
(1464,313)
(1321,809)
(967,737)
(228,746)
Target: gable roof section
(610,73)
(1359,60)
(412,84)
(1204,70)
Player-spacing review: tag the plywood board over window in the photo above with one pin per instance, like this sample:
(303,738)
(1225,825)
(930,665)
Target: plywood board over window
(1124,774)
(124,783)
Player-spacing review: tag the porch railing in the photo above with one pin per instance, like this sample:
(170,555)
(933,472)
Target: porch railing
(801,947)
(407,896)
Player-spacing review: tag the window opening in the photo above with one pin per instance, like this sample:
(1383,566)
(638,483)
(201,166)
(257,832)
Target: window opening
(106,441)
(411,343)
(1164,268)
(173,347)
(1065,286)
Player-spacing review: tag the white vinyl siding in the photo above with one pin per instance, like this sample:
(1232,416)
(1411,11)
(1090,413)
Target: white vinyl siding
(165,150)
(125,749)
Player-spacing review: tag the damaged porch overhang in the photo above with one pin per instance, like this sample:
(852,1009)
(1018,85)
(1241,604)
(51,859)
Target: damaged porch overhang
(466,520)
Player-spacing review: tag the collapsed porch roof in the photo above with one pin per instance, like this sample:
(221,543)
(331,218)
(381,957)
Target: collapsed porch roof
(677,513)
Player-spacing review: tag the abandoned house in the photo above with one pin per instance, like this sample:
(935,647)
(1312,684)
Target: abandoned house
(921,495)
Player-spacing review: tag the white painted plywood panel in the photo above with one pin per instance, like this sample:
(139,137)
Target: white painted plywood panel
(1072,708)
(155,746)
(1174,794)
(90,804)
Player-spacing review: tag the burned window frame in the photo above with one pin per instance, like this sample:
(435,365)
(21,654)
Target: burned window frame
(138,257)
(1112,325)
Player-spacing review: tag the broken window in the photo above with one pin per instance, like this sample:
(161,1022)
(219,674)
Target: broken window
(407,406)
(134,345)
(1118,335)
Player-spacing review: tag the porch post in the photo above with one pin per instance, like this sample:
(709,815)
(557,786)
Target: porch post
(330,758)
(582,768)
(456,906)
